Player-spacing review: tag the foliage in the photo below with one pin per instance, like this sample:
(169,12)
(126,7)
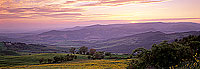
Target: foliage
(4,51)
(98,55)
(193,42)
(72,50)
(2,47)
(92,51)
(58,59)
(83,50)
(139,52)
(108,54)
(165,55)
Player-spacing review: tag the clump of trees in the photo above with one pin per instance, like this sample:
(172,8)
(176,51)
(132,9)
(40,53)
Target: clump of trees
(108,54)
(72,50)
(4,51)
(92,51)
(83,50)
(168,55)
(93,54)
(97,55)
(58,59)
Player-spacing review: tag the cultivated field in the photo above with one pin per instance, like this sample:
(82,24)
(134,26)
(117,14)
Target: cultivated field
(25,62)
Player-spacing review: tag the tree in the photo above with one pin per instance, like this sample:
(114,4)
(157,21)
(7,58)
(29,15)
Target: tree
(108,54)
(193,42)
(139,52)
(41,60)
(72,50)
(2,46)
(50,60)
(89,57)
(98,55)
(167,54)
(92,51)
(83,50)
(163,55)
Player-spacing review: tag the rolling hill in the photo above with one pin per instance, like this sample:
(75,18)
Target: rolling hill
(104,32)
(30,48)
(145,40)
(122,38)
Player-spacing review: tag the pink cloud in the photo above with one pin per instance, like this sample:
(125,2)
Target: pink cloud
(118,2)
(6,16)
(50,8)
(62,15)
(41,9)
(166,19)
(69,2)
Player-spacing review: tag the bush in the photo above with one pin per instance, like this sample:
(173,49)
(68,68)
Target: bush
(108,54)
(98,55)
(89,57)
(58,59)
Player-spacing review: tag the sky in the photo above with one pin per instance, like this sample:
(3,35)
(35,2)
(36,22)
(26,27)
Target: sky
(30,15)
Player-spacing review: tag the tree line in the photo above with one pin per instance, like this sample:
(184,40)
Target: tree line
(94,54)
(57,59)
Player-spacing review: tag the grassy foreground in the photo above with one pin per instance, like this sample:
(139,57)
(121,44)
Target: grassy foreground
(29,59)
(32,62)
(81,64)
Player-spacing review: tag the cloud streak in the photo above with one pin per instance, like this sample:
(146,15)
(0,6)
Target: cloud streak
(116,2)
(6,16)
(56,8)
(167,19)
(63,15)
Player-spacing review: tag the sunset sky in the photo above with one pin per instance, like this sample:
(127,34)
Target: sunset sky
(26,15)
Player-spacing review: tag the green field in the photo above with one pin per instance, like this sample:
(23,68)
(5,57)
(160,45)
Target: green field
(10,61)
(122,56)
(29,59)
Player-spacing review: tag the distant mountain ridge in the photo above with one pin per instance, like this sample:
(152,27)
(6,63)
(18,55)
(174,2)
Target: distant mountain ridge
(118,38)
(71,29)
(103,32)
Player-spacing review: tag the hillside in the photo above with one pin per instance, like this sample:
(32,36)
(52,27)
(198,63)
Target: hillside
(114,37)
(15,35)
(124,44)
(146,40)
(103,32)
(30,48)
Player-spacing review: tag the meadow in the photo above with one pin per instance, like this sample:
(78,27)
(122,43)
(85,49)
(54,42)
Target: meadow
(81,64)
(29,59)
(32,62)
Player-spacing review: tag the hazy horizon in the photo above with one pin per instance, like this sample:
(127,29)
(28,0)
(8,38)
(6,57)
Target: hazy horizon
(61,28)
(33,15)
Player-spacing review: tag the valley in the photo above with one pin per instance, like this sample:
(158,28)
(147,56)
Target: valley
(116,38)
